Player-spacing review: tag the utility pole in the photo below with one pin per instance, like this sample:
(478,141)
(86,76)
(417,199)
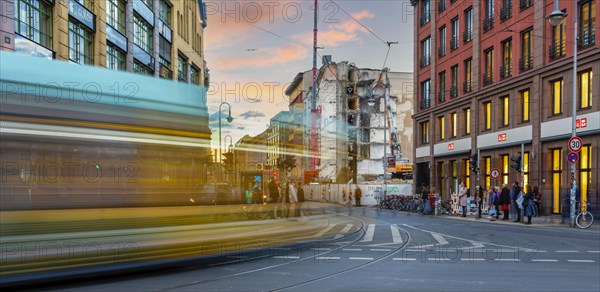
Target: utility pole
(313,108)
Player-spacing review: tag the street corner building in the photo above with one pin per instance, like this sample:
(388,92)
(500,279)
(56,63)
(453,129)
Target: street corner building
(495,77)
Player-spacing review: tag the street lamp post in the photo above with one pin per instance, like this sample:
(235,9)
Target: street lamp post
(556,18)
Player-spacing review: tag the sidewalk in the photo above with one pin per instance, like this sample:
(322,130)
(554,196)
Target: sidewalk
(543,221)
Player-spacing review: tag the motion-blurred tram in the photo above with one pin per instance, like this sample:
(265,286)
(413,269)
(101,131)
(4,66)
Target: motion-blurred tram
(92,138)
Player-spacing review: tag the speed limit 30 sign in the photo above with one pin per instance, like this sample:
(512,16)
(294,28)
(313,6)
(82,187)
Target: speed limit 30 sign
(575,144)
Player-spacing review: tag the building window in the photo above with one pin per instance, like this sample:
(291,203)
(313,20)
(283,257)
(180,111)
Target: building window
(424,133)
(505,168)
(525,170)
(426,52)
(182,68)
(556,92)
(441,128)
(425,12)
(442,48)
(164,12)
(587,14)
(442,176)
(525,105)
(585,89)
(454,39)
(467,120)
(505,110)
(506,10)
(33,20)
(468,34)
(453,125)
(487,165)
(164,52)
(115,15)
(442,87)
(526,61)
(89,4)
(426,94)
(523,4)
(454,81)
(148,3)
(453,172)
(442,6)
(195,75)
(487,115)
(115,58)
(558,45)
(141,69)
(467,85)
(488,66)
(142,34)
(467,172)
(488,19)
(81,44)
(585,171)
(556,179)
(506,67)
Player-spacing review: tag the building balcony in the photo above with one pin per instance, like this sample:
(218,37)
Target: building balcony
(425,103)
(506,70)
(586,39)
(467,36)
(526,63)
(454,91)
(454,43)
(488,78)
(442,51)
(425,18)
(442,96)
(425,60)
(467,87)
(524,4)
(488,23)
(557,50)
(506,12)
(442,6)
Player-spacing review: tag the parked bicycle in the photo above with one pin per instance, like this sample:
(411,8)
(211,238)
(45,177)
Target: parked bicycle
(583,219)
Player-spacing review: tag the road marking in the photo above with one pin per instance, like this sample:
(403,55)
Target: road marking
(438,237)
(320,248)
(544,260)
(474,259)
(286,257)
(507,260)
(328,258)
(280,248)
(567,251)
(352,249)
(580,261)
(322,232)
(396,238)
(404,259)
(438,259)
(369,234)
(361,259)
(594,251)
(344,231)
(237,257)
(380,249)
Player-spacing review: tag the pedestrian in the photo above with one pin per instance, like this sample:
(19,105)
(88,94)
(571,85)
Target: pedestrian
(300,198)
(462,196)
(293,199)
(479,200)
(516,195)
(505,201)
(492,203)
(537,201)
(425,199)
(528,204)
(274,197)
(357,196)
(249,193)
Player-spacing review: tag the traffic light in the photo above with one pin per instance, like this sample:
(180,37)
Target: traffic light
(516,163)
(473,162)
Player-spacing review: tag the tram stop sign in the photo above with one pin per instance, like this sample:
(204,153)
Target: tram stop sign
(572,157)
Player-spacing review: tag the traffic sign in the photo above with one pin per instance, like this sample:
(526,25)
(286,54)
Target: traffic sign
(572,157)
(495,173)
(575,144)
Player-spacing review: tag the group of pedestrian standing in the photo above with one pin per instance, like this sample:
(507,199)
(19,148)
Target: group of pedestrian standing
(291,193)
(523,201)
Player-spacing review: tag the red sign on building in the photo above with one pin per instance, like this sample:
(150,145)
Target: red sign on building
(581,123)
(451,146)
(502,137)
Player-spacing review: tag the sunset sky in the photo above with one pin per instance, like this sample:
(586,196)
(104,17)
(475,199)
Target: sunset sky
(254,49)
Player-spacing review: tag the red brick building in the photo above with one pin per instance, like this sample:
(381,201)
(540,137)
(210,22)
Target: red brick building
(494,76)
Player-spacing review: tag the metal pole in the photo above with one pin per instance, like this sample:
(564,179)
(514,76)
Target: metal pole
(385,138)
(574,110)
(478,187)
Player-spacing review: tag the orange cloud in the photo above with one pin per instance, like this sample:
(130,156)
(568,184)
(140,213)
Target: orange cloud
(263,58)
(337,34)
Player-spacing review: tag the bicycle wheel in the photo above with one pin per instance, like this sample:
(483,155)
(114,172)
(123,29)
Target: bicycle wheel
(584,220)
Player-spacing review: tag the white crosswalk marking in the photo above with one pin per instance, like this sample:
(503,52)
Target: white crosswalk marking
(286,257)
(396,238)
(358,258)
(580,261)
(322,232)
(369,234)
(344,231)
(441,240)
(544,260)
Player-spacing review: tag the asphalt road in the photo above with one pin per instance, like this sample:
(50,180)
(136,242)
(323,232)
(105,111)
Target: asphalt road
(385,250)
